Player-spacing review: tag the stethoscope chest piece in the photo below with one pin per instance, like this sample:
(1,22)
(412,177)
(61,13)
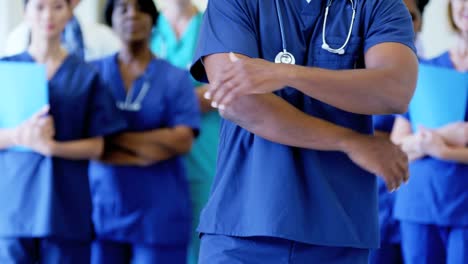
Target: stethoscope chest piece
(285,58)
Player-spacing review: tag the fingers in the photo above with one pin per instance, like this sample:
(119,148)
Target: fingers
(41,113)
(221,87)
(209,94)
(45,126)
(226,87)
(225,93)
(397,171)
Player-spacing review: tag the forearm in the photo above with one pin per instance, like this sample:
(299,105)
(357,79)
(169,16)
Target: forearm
(83,149)
(454,134)
(272,118)
(363,91)
(382,134)
(124,158)
(149,151)
(177,140)
(457,154)
(385,86)
(7,138)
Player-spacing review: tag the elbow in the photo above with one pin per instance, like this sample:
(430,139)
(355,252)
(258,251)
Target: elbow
(399,107)
(404,85)
(185,143)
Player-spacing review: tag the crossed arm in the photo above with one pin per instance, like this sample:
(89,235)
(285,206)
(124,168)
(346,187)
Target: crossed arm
(242,88)
(148,147)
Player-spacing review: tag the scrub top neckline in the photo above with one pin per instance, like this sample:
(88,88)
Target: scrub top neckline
(452,63)
(171,32)
(121,89)
(61,68)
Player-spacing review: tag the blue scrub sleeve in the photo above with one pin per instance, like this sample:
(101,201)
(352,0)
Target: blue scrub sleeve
(383,123)
(226,27)
(389,21)
(185,109)
(104,118)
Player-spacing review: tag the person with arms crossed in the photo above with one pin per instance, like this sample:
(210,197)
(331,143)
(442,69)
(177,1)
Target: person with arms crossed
(297,158)
(140,193)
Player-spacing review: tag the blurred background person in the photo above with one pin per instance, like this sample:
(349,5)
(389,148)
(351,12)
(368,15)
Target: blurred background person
(44,192)
(433,207)
(88,41)
(141,201)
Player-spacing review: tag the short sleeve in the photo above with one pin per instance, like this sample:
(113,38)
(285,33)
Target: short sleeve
(228,26)
(383,123)
(388,21)
(103,116)
(185,109)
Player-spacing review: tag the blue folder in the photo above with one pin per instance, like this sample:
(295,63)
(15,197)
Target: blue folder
(23,92)
(440,97)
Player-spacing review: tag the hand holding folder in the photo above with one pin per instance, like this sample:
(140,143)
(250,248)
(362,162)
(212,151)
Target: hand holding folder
(23,92)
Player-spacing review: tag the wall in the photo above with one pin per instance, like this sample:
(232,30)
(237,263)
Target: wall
(10,16)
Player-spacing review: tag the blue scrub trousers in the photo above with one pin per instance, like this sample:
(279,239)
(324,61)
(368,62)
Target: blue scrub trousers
(431,244)
(219,249)
(386,254)
(110,252)
(43,251)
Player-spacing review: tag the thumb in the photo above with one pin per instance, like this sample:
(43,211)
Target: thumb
(42,112)
(233,57)
(422,128)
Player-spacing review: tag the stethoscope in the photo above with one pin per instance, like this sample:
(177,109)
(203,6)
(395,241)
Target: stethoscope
(134,106)
(287,58)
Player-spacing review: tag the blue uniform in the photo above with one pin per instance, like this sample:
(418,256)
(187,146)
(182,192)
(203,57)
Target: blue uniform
(149,205)
(308,196)
(48,197)
(433,206)
(390,248)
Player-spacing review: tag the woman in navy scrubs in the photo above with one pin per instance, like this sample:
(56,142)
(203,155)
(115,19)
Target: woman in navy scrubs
(433,207)
(296,159)
(44,193)
(140,193)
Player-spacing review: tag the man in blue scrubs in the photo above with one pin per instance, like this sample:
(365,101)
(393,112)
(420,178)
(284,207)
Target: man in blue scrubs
(296,159)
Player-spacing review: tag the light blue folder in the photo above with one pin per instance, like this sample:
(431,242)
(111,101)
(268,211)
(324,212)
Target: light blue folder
(440,98)
(23,92)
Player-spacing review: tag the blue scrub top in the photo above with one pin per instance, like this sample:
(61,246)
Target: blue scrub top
(389,226)
(437,190)
(147,204)
(42,196)
(266,189)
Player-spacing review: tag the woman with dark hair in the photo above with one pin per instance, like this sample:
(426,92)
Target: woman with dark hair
(141,205)
(433,207)
(44,191)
